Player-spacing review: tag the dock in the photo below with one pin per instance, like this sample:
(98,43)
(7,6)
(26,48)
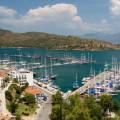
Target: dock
(91,83)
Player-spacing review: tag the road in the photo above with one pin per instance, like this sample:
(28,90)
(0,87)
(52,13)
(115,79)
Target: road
(3,101)
(45,112)
(46,109)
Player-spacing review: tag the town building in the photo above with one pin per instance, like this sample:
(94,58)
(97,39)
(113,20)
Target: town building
(23,76)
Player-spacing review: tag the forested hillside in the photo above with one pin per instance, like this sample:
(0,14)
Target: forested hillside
(51,41)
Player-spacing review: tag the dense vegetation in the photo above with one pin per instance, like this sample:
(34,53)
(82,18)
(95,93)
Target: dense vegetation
(17,103)
(76,108)
(51,41)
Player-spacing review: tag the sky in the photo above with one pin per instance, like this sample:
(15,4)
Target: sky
(67,17)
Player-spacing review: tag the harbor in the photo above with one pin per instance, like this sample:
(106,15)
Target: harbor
(49,68)
(43,75)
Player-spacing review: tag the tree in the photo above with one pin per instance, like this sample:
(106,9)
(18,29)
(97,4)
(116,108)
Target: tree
(56,113)
(29,99)
(25,86)
(106,102)
(15,81)
(81,113)
(115,105)
(57,102)
(13,107)
(8,96)
(95,109)
(7,79)
(57,98)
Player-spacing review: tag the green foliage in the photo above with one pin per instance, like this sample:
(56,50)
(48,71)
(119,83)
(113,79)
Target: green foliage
(18,118)
(57,99)
(7,79)
(75,108)
(15,91)
(29,99)
(26,110)
(16,88)
(110,118)
(15,81)
(95,109)
(56,113)
(25,86)
(51,41)
(106,102)
(115,105)
(19,106)
(8,96)
(12,107)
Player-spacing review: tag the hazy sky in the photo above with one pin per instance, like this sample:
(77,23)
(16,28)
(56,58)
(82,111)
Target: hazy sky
(61,16)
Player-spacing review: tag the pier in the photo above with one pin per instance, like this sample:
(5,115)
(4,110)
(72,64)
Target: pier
(102,77)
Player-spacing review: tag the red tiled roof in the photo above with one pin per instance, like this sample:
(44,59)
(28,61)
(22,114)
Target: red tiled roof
(3,73)
(33,91)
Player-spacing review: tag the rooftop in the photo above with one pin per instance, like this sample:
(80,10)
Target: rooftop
(3,73)
(32,90)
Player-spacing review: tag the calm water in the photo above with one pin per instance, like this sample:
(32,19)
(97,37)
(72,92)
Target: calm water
(66,73)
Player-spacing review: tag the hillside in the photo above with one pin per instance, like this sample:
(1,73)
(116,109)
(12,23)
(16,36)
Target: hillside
(114,38)
(51,41)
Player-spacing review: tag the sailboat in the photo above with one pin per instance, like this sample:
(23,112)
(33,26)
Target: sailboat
(92,74)
(52,76)
(46,77)
(75,84)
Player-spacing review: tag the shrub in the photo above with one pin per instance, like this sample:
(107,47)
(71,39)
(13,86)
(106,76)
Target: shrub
(8,96)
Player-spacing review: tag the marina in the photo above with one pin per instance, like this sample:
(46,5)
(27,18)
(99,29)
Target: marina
(90,78)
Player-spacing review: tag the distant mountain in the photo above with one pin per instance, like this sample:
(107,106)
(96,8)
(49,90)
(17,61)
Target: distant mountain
(52,41)
(114,38)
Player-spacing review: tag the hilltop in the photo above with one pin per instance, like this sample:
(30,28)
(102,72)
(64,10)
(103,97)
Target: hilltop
(51,41)
(114,38)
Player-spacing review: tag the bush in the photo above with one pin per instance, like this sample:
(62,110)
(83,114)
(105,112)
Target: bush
(12,107)
(29,99)
(8,96)
(25,86)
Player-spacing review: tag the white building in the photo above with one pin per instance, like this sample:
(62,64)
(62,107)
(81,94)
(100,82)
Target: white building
(23,76)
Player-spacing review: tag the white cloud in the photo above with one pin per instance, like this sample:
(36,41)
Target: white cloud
(115,7)
(6,12)
(59,18)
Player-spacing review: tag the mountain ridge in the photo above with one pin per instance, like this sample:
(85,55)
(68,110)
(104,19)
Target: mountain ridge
(52,41)
(114,38)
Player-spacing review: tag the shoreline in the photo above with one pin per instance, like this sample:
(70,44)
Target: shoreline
(91,50)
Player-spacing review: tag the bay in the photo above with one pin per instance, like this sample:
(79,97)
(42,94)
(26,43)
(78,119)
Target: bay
(66,73)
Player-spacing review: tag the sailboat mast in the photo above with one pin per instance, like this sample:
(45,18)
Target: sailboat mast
(45,68)
(51,67)
(76,77)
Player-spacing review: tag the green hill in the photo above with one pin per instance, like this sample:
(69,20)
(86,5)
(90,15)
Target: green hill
(51,41)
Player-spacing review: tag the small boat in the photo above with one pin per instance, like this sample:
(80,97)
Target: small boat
(75,84)
(57,64)
(66,63)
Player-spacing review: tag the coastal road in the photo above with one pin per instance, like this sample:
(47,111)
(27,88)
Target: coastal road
(45,111)
(46,108)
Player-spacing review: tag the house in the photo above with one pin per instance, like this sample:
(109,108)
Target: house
(23,76)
